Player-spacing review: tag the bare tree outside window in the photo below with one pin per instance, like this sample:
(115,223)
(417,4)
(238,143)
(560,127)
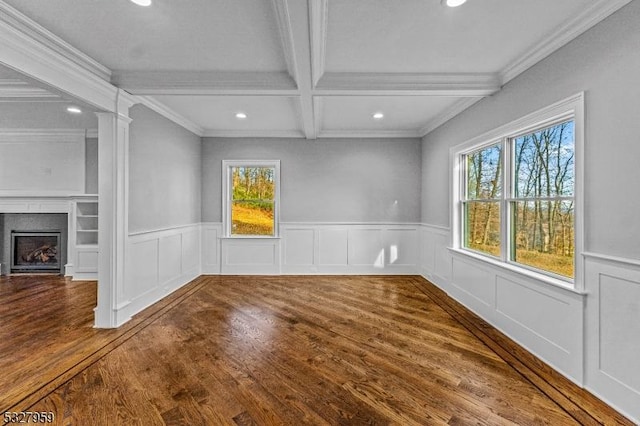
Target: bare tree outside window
(484,191)
(537,196)
(543,207)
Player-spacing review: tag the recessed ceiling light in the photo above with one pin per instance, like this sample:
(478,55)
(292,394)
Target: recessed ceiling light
(74,110)
(378,116)
(241,115)
(142,2)
(453,3)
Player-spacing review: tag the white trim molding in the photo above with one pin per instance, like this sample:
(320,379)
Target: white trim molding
(205,83)
(26,25)
(38,54)
(350,248)
(168,113)
(569,30)
(441,84)
(227,165)
(546,320)
(612,331)
(286,36)
(318,20)
(160,262)
(17,90)
(569,108)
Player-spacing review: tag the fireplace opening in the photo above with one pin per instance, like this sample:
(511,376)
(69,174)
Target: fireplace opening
(35,251)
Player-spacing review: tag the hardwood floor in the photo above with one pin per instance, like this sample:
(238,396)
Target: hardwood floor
(275,350)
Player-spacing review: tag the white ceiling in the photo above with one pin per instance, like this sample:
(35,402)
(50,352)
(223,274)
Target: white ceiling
(303,68)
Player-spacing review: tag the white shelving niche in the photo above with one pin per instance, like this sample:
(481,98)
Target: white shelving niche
(85,235)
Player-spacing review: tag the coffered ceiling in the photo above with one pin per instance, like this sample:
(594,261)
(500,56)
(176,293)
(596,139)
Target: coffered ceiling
(302,68)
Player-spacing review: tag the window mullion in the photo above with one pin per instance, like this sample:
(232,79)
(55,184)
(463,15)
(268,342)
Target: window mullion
(505,219)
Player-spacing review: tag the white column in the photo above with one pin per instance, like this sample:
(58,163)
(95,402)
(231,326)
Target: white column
(113,214)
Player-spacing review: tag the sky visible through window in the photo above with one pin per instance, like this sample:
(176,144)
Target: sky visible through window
(540,207)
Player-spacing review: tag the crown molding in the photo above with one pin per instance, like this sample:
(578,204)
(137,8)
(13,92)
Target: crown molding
(204,83)
(20,90)
(369,134)
(441,84)
(40,135)
(571,29)
(25,25)
(447,115)
(283,20)
(34,59)
(214,133)
(318,15)
(170,114)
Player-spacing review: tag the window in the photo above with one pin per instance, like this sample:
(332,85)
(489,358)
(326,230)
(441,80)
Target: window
(517,200)
(251,194)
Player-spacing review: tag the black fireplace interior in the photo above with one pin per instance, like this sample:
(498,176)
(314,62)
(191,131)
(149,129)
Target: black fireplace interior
(35,251)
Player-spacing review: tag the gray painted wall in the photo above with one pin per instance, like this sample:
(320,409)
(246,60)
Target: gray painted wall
(91,166)
(44,115)
(605,63)
(326,180)
(165,173)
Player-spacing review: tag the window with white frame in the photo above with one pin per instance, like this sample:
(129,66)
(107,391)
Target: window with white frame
(251,198)
(518,201)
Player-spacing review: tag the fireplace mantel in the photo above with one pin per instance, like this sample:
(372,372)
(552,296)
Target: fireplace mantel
(30,203)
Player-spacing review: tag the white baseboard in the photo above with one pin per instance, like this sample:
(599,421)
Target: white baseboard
(544,319)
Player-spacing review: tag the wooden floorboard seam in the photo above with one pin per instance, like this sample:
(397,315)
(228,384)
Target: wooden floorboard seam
(529,373)
(50,386)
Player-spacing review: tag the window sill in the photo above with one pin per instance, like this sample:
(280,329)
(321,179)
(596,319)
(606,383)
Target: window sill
(545,279)
(250,237)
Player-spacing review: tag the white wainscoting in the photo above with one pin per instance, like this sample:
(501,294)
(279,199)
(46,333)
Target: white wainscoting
(158,263)
(547,320)
(211,233)
(85,267)
(309,248)
(250,256)
(613,331)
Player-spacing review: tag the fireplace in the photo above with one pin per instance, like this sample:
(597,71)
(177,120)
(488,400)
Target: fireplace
(35,251)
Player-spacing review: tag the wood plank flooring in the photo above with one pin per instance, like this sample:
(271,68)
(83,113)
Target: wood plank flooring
(230,350)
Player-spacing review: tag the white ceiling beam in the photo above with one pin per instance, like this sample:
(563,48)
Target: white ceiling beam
(23,50)
(442,84)
(318,16)
(286,36)
(205,83)
(214,133)
(298,13)
(18,90)
(369,134)
(25,25)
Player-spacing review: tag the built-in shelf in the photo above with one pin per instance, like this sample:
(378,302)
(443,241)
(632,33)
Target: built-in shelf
(87,223)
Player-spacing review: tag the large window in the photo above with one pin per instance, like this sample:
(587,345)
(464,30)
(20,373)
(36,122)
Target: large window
(517,199)
(251,190)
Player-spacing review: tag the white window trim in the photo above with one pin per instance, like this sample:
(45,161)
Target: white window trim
(572,107)
(226,205)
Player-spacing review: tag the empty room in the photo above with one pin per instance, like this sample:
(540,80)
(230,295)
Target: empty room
(323,212)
